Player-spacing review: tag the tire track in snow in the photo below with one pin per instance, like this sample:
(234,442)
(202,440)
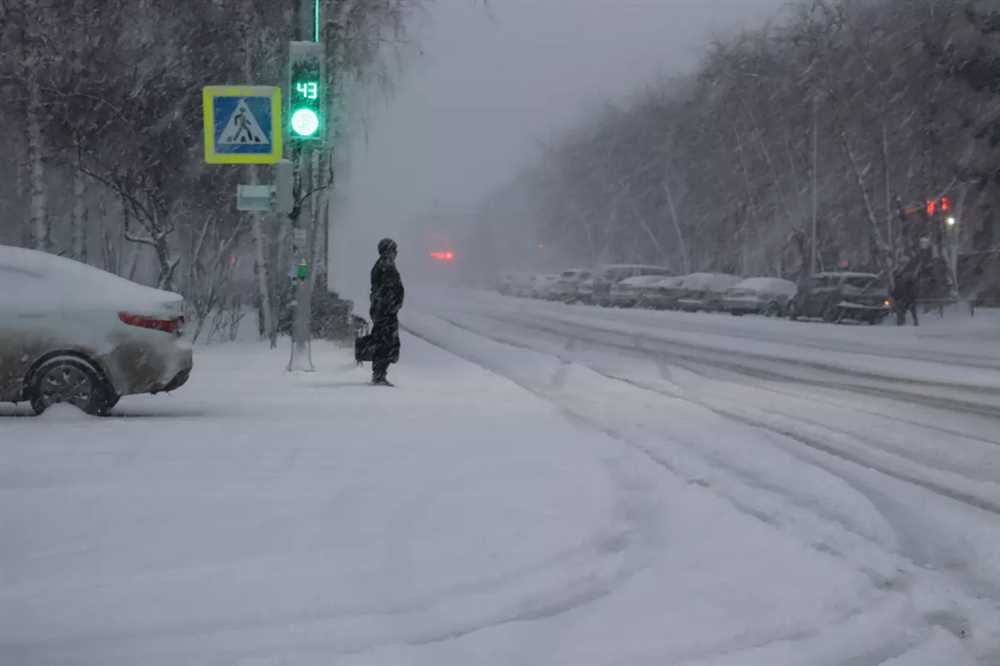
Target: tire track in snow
(888,465)
(897,644)
(744,363)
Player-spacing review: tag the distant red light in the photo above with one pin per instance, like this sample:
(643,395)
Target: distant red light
(945,204)
(931,206)
(443,256)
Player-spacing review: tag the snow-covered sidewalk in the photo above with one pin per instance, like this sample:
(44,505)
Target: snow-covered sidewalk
(260,519)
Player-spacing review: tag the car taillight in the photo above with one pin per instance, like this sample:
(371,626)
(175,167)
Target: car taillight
(172,325)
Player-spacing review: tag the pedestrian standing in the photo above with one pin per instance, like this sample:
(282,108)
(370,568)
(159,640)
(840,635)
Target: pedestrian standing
(386,300)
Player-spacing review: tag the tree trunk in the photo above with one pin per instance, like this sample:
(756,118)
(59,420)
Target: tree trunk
(677,225)
(79,216)
(168,263)
(883,261)
(39,200)
(265,309)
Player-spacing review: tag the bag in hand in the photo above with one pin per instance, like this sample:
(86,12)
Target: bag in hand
(364,349)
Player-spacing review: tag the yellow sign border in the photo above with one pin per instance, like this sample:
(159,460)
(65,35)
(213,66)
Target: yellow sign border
(208,95)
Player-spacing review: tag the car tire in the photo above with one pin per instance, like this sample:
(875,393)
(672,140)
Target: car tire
(793,311)
(832,314)
(70,380)
(772,310)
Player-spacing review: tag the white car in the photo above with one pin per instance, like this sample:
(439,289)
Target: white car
(628,292)
(760,295)
(543,286)
(597,290)
(567,287)
(516,284)
(71,333)
(704,291)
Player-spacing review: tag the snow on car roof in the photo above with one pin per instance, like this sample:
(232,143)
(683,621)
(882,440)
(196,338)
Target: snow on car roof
(845,274)
(64,279)
(670,281)
(604,267)
(697,280)
(778,284)
(641,280)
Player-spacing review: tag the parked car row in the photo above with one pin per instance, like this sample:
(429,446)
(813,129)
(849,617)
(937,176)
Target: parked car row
(833,297)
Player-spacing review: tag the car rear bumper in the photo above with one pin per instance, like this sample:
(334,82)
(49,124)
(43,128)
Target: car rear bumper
(179,380)
(155,364)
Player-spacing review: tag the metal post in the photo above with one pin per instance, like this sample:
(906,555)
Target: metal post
(301,354)
(815,178)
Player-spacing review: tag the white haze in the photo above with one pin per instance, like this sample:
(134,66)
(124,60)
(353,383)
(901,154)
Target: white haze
(488,85)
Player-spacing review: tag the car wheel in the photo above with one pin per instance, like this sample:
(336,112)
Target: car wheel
(772,310)
(793,311)
(71,381)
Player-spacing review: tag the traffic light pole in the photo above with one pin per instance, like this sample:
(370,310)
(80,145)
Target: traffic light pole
(305,114)
(301,354)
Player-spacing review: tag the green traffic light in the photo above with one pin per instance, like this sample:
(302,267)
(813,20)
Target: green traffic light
(307,96)
(305,122)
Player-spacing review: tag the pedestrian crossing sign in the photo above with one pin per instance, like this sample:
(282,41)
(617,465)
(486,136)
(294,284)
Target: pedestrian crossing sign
(242,124)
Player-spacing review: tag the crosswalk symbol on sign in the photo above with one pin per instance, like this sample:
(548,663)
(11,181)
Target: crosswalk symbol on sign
(243,128)
(242,124)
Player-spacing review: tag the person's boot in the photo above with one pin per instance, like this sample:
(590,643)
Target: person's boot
(380,379)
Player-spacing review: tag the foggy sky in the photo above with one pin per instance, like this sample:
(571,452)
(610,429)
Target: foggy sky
(489,84)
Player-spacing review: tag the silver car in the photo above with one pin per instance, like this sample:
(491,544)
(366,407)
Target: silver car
(567,287)
(543,285)
(759,295)
(628,292)
(704,291)
(597,290)
(661,294)
(71,333)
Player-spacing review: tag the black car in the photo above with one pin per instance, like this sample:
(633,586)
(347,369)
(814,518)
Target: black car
(835,297)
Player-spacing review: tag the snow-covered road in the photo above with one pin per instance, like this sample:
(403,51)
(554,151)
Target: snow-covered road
(908,419)
(547,485)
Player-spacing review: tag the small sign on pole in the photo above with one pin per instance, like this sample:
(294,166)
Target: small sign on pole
(254,197)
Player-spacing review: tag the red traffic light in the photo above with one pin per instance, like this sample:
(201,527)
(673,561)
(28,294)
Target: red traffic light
(446,255)
(942,205)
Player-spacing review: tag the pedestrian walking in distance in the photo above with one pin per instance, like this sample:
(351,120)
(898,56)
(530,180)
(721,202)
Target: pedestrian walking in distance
(906,292)
(386,300)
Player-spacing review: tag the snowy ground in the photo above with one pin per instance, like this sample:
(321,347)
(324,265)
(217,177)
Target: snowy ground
(563,485)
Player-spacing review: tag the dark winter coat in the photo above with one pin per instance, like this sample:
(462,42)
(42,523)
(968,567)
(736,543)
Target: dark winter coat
(387,289)
(386,300)
(906,290)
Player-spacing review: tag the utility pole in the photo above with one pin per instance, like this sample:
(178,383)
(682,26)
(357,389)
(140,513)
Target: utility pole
(305,121)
